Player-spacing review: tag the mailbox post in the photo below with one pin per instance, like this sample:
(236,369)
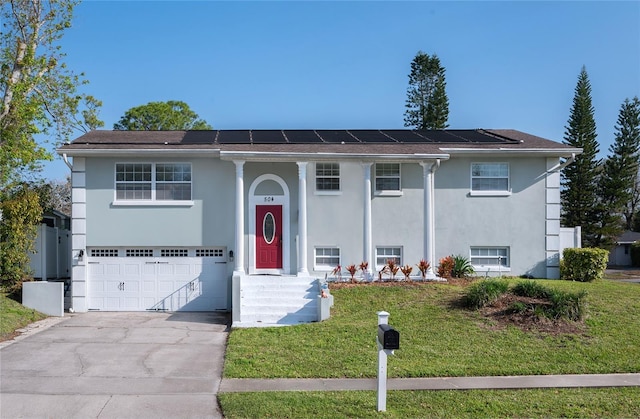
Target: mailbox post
(388,340)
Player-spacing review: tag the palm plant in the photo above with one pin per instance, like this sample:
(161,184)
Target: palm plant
(461,267)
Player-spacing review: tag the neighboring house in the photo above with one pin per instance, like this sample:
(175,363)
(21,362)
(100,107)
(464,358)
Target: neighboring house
(620,254)
(226,220)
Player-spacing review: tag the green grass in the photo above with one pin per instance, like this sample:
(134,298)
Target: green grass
(556,403)
(14,316)
(438,338)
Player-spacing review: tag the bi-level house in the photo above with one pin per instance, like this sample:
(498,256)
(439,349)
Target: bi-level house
(237,219)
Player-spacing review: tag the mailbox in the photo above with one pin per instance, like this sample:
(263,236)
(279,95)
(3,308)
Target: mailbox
(388,337)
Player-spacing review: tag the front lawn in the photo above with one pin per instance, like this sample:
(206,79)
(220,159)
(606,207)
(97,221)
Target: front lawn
(439,338)
(14,316)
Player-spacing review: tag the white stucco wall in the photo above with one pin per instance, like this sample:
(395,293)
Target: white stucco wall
(205,223)
(517,221)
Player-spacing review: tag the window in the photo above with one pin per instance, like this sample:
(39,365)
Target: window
(174,253)
(210,253)
(383,254)
(153,182)
(326,258)
(490,177)
(387,177)
(133,253)
(133,181)
(490,256)
(327,177)
(104,253)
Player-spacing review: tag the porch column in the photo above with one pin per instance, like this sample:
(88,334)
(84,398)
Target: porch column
(367,246)
(239,250)
(428,169)
(302,218)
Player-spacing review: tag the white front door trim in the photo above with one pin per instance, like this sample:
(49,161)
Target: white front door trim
(283,200)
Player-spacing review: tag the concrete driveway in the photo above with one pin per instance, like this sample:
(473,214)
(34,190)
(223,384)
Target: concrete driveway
(116,365)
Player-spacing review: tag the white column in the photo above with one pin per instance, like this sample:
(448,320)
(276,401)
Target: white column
(429,220)
(367,246)
(302,219)
(239,250)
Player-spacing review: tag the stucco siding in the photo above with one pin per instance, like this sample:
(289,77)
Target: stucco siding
(205,223)
(516,221)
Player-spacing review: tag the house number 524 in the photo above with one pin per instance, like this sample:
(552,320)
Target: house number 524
(268,199)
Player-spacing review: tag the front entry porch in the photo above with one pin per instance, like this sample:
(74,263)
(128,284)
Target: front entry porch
(270,300)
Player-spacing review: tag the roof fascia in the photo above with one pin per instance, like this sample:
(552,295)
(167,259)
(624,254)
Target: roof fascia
(148,152)
(550,152)
(296,157)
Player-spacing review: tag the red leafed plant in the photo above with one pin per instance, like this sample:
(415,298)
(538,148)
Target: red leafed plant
(445,267)
(337,271)
(406,270)
(393,268)
(352,271)
(423,266)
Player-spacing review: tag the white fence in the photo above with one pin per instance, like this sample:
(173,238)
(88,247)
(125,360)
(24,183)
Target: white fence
(52,257)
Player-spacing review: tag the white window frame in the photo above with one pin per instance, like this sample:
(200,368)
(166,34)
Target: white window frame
(387,192)
(388,252)
(325,267)
(319,191)
(154,184)
(492,253)
(490,192)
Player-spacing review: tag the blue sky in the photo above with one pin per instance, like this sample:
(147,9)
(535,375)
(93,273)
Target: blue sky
(323,65)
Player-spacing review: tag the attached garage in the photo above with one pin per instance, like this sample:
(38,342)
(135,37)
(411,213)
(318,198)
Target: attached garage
(165,279)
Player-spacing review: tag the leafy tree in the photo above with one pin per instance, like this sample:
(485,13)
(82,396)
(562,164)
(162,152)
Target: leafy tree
(21,213)
(55,195)
(579,179)
(156,116)
(619,172)
(427,105)
(39,93)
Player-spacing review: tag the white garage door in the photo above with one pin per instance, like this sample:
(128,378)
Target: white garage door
(171,279)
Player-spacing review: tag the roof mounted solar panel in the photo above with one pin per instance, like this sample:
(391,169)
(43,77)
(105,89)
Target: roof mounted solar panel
(371,136)
(267,137)
(405,135)
(442,136)
(234,137)
(199,137)
(306,136)
(480,137)
(336,136)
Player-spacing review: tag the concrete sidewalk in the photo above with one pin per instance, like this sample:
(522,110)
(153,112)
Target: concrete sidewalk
(446,383)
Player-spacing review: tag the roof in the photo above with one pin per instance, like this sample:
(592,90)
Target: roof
(355,142)
(629,237)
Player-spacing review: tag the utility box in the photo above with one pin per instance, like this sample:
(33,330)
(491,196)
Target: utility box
(388,337)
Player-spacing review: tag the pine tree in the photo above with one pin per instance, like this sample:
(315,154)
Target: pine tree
(427,105)
(619,171)
(579,179)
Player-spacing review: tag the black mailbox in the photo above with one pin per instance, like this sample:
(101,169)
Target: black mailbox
(388,337)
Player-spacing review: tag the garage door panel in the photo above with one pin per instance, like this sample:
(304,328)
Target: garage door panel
(137,283)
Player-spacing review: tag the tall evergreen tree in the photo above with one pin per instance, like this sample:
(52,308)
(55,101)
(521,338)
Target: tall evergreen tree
(619,172)
(579,180)
(427,105)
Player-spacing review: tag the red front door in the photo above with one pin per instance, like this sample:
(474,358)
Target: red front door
(269,237)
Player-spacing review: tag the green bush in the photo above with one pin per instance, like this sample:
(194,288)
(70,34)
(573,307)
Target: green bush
(568,305)
(584,265)
(531,289)
(484,292)
(461,267)
(635,254)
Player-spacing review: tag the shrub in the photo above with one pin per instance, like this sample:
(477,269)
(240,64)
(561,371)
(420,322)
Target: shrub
(484,292)
(635,254)
(445,267)
(461,267)
(531,289)
(569,305)
(584,265)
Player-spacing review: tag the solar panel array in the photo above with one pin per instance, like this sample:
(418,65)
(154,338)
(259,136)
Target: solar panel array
(403,136)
